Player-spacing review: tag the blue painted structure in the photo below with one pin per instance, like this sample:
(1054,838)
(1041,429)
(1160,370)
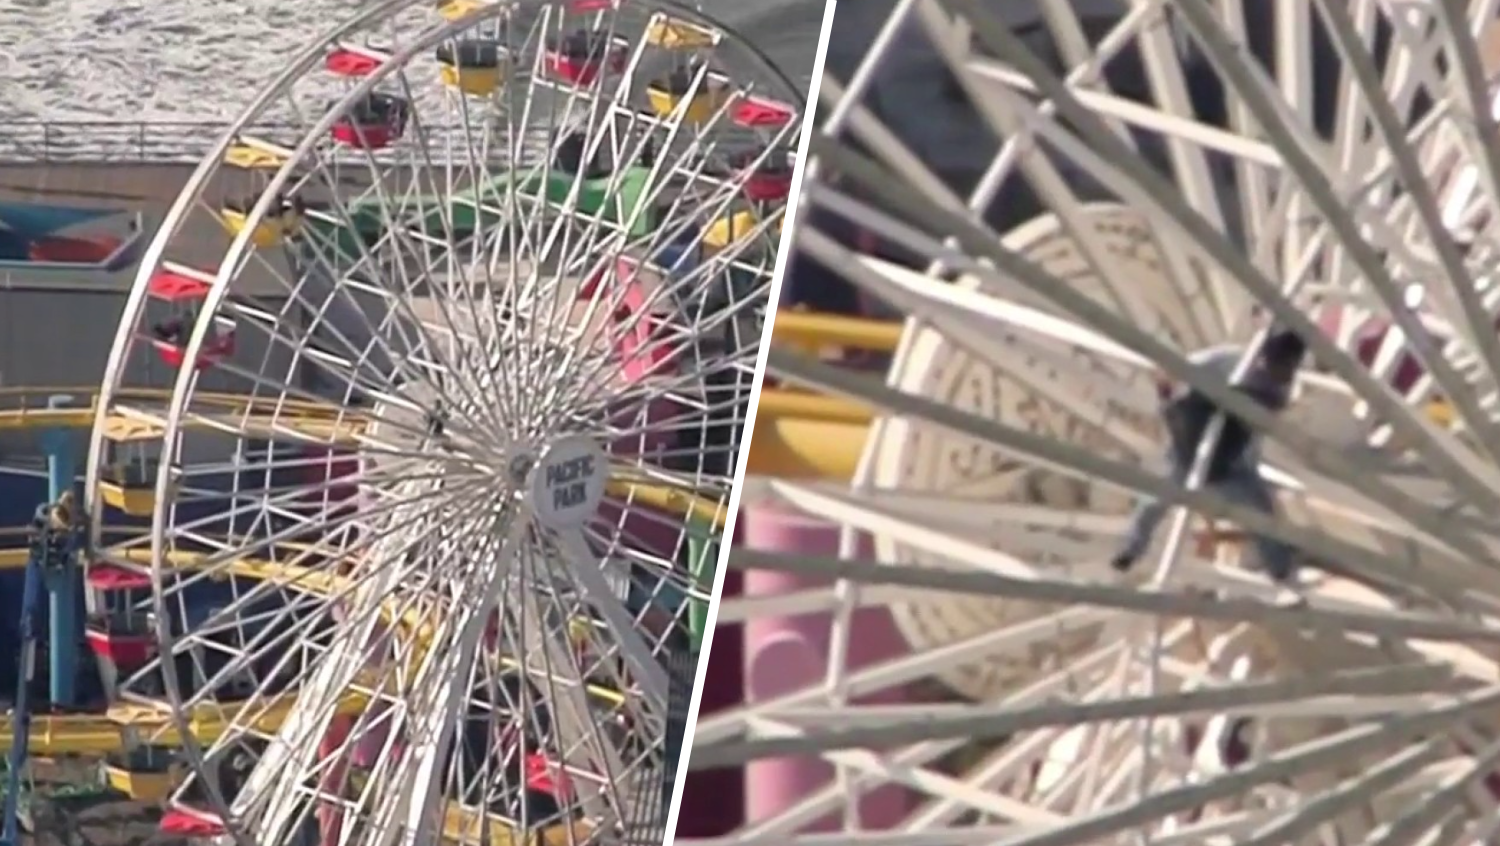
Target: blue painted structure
(115,238)
(43,555)
(20,494)
(65,632)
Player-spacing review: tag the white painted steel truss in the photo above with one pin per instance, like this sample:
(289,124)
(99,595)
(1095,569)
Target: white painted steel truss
(1345,185)
(411,564)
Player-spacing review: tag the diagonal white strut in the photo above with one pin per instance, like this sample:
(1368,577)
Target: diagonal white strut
(296,744)
(572,717)
(433,720)
(646,672)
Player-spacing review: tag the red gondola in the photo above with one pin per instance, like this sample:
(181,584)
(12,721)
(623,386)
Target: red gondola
(545,777)
(170,337)
(768,182)
(127,651)
(373,123)
(761,113)
(350,64)
(585,6)
(581,56)
(183,821)
(110,578)
(118,634)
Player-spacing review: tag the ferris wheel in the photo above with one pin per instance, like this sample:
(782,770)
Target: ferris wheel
(455,326)
(1326,167)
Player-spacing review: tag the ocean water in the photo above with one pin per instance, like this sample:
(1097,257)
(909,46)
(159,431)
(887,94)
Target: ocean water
(188,61)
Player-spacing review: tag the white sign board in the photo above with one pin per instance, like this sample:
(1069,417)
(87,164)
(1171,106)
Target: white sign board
(568,483)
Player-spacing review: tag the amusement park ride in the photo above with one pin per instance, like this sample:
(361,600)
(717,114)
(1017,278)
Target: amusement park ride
(936,650)
(400,519)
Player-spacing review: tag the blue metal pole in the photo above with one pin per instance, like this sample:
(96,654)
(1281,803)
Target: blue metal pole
(64,580)
(31,599)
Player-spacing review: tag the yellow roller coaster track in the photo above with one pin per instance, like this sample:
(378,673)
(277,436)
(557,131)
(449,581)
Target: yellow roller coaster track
(282,574)
(25,409)
(126,725)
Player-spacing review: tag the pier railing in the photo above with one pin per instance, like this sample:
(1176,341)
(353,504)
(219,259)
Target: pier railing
(120,142)
(156,142)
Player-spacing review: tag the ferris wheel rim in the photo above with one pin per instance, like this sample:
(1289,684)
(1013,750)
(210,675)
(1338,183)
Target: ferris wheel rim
(176,215)
(186,390)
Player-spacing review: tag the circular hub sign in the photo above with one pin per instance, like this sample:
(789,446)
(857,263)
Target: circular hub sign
(568,483)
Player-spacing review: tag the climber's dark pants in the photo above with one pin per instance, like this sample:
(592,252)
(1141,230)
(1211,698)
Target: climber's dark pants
(1242,485)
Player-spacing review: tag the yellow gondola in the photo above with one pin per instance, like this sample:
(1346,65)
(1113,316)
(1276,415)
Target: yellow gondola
(452,10)
(479,82)
(271,231)
(130,487)
(128,481)
(674,34)
(137,502)
(250,157)
(474,67)
(140,785)
(668,93)
(148,774)
(728,229)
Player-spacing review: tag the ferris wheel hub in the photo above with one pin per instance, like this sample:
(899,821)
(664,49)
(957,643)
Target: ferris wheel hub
(568,481)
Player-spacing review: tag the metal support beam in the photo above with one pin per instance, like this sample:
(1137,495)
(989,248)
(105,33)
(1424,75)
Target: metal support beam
(63,581)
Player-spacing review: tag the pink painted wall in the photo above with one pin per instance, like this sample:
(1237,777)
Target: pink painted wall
(785,654)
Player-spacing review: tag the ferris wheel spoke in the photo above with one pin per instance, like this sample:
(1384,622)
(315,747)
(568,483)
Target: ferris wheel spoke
(367,611)
(880,728)
(975,310)
(338,316)
(295,743)
(1365,256)
(290,499)
(579,743)
(436,711)
(336,558)
(1357,378)
(353,371)
(1438,447)
(646,672)
(339,313)
(323,610)
(1068,459)
(1297,760)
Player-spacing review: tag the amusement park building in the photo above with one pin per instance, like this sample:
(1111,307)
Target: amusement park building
(58,325)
